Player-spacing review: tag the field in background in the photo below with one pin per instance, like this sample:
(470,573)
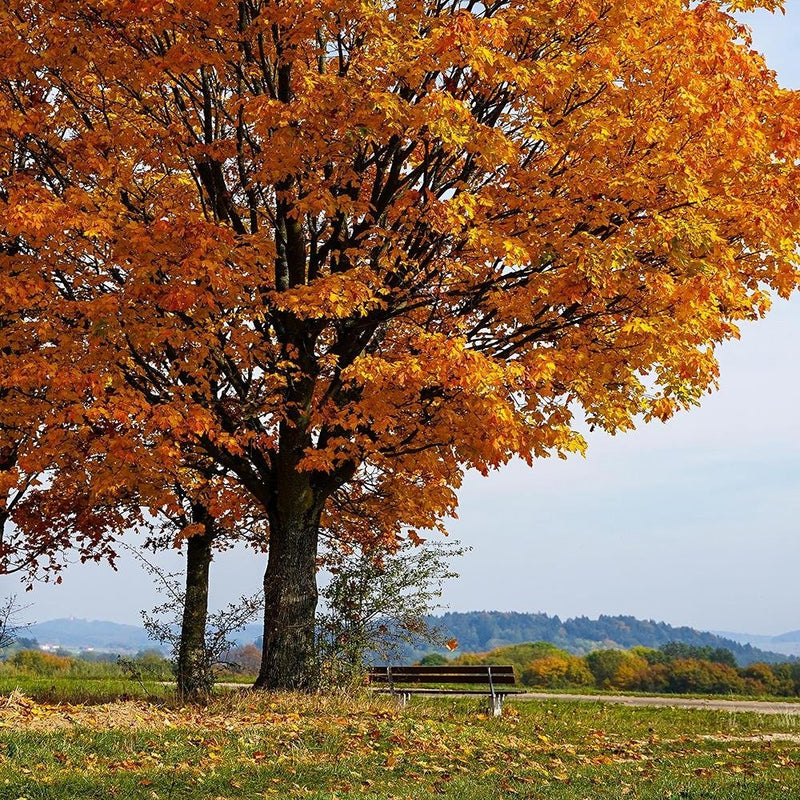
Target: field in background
(248,745)
(54,678)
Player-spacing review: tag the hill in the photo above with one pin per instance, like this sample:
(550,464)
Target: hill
(476,632)
(81,634)
(479,631)
(787,643)
(76,634)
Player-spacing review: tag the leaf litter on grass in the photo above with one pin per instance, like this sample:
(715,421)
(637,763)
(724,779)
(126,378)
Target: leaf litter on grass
(296,745)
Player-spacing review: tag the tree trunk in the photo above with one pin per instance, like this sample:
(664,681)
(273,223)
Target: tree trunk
(194,670)
(290,595)
(290,582)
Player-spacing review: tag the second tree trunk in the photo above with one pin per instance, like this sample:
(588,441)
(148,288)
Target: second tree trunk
(194,668)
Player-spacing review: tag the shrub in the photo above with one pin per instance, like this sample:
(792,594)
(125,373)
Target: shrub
(246,657)
(650,655)
(376,602)
(557,672)
(433,660)
(680,650)
(788,677)
(38,662)
(705,677)
(632,673)
(760,679)
(519,656)
(603,664)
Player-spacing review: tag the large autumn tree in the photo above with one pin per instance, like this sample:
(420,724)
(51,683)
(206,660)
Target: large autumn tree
(347,250)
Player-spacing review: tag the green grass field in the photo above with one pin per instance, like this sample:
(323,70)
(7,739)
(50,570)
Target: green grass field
(253,745)
(82,690)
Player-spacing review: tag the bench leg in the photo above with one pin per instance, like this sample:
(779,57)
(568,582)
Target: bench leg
(496,705)
(402,699)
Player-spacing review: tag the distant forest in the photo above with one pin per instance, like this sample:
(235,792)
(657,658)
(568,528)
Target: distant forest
(480,631)
(475,631)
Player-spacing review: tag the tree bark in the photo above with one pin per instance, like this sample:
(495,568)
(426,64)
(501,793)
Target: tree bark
(290,594)
(193,668)
(290,582)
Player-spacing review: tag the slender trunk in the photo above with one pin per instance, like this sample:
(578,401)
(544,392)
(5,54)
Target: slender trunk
(194,670)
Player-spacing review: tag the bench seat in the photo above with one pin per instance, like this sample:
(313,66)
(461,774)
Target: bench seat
(397,679)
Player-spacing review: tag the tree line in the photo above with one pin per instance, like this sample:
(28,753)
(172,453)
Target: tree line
(27,660)
(674,667)
(479,631)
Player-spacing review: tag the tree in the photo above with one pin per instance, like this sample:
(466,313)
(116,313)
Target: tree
(433,660)
(197,641)
(557,672)
(10,628)
(374,602)
(83,508)
(719,655)
(347,251)
(97,482)
(200,515)
(20,394)
(604,664)
(246,657)
(707,677)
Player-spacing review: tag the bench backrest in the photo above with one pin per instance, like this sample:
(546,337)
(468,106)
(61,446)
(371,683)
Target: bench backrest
(492,675)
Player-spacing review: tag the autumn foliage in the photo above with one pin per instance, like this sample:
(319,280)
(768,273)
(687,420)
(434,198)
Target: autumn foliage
(311,261)
(674,668)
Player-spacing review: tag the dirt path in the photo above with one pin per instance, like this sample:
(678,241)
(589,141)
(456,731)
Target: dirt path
(756,706)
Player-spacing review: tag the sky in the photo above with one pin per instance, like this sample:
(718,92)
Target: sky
(693,522)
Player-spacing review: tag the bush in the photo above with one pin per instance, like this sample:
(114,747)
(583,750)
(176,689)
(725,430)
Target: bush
(760,679)
(788,678)
(633,672)
(246,658)
(37,662)
(557,672)
(650,655)
(680,650)
(433,660)
(519,656)
(704,677)
(603,664)
(147,665)
(376,602)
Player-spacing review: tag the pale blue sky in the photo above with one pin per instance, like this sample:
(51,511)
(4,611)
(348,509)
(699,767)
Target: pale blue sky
(696,522)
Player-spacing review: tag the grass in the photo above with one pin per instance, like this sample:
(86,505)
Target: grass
(248,745)
(63,689)
(93,689)
(594,690)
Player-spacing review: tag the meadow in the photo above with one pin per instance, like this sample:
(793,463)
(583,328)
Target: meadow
(255,745)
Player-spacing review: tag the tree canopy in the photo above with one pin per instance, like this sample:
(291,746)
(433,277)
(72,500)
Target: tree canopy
(335,254)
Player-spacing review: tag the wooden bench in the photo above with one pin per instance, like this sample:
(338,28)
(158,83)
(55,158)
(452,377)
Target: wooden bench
(397,679)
